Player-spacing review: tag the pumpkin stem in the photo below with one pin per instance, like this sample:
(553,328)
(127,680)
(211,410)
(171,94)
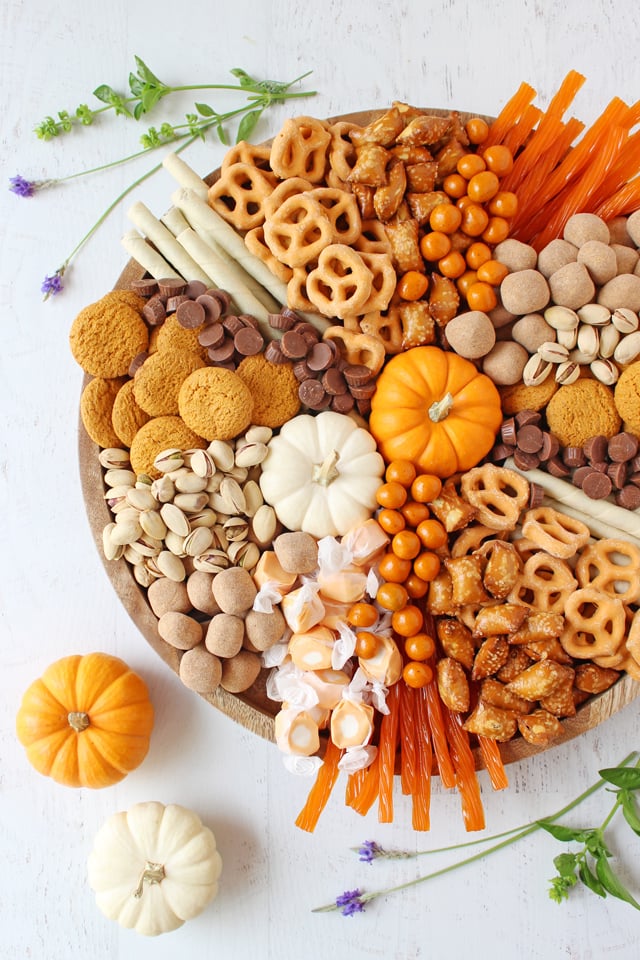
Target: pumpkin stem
(152,873)
(78,720)
(440,409)
(325,473)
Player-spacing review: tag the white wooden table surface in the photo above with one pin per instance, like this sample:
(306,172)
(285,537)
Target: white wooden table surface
(55,596)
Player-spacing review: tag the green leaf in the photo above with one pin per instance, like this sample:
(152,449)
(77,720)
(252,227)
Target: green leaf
(612,884)
(145,73)
(590,880)
(138,110)
(105,93)
(222,134)
(149,98)
(247,125)
(135,85)
(243,77)
(205,110)
(627,777)
(630,810)
(565,834)
(565,864)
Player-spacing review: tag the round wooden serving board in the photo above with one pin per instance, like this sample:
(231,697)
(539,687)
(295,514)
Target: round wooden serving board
(253,709)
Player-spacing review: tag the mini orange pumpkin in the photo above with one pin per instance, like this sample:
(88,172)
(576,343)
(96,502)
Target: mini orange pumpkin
(86,722)
(434,408)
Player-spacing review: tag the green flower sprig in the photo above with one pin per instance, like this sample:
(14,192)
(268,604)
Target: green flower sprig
(146,90)
(589,866)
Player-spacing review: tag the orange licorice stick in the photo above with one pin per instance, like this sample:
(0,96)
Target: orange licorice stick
(367,788)
(622,203)
(511,112)
(615,114)
(541,141)
(565,94)
(408,736)
(387,747)
(320,792)
(517,136)
(492,760)
(421,807)
(466,779)
(439,734)
(625,167)
(575,198)
(533,185)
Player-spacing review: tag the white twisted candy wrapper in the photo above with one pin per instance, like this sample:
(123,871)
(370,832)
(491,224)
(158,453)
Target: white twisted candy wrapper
(301,766)
(267,597)
(361,689)
(276,654)
(286,684)
(357,758)
(344,646)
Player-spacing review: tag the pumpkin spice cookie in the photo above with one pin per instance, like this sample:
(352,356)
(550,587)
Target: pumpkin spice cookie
(173,336)
(158,434)
(127,417)
(581,410)
(130,297)
(96,405)
(519,396)
(158,381)
(216,403)
(106,336)
(627,397)
(274,388)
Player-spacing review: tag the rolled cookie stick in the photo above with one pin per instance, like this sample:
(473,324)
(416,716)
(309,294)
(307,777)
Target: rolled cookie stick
(602,517)
(203,218)
(174,221)
(224,278)
(138,248)
(164,240)
(185,175)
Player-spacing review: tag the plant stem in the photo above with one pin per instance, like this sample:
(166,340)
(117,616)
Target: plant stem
(513,838)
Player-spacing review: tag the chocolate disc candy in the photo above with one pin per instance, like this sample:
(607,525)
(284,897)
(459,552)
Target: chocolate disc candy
(145,287)
(536,495)
(334,382)
(574,456)
(623,446)
(557,468)
(597,486)
(195,289)
(171,286)
(529,438)
(320,356)
(312,394)
(500,452)
(174,302)
(211,306)
(190,314)
(302,371)
(356,374)
(525,417)
(273,353)
(212,335)
(618,474)
(224,353)
(628,497)
(550,447)
(595,448)
(137,362)
(248,342)
(524,460)
(342,403)
(154,311)
(221,296)
(508,432)
(278,321)
(232,324)
(293,345)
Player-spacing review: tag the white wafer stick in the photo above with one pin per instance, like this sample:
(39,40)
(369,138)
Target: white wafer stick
(221,275)
(174,221)
(184,175)
(166,243)
(138,248)
(202,217)
(609,519)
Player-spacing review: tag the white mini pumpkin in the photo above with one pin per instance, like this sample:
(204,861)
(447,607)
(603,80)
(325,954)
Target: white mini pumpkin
(153,867)
(321,474)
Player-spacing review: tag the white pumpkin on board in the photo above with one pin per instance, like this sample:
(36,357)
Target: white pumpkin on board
(321,474)
(153,867)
